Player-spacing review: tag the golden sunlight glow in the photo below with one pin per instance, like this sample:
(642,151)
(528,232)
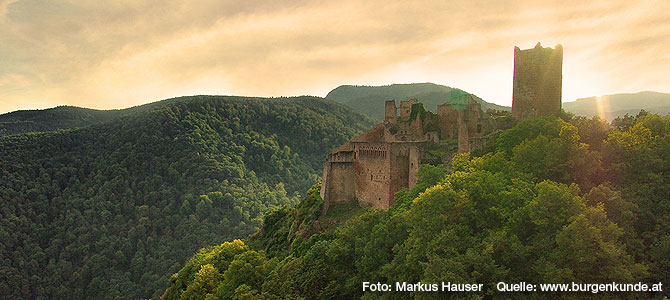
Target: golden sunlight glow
(603,105)
(97,55)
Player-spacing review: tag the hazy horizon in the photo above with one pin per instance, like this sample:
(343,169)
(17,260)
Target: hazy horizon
(122,54)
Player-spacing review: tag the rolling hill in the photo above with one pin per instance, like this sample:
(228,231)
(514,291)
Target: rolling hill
(65,117)
(618,105)
(111,210)
(370,99)
(62,117)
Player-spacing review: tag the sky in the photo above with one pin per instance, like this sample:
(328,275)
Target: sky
(116,54)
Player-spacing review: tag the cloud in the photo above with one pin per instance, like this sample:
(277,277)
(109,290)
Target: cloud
(122,53)
(4,5)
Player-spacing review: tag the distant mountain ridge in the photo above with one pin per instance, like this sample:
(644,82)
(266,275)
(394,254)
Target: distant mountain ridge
(67,117)
(618,105)
(370,99)
(61,117)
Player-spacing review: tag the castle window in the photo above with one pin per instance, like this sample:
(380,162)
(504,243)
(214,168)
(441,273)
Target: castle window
(370,177)
(479,128)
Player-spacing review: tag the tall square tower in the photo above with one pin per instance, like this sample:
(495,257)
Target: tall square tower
(538,77)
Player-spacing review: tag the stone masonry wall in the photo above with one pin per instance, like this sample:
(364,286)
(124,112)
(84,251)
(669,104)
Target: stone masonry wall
(372,174)
(341,186)
(537,82)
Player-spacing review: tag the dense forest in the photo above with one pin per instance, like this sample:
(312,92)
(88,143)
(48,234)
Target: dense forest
(111,210)
(553,200)
(62,117)
(66,117)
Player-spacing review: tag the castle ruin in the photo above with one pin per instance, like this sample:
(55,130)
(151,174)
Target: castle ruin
(537,81)
(372,167)
(375,165)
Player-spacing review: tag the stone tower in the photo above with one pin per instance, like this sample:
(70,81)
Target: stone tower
(391,112)
(538,80)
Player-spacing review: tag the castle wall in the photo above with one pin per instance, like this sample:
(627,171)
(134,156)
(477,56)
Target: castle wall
(372,174)
(406,109)
(390,112)
(478,142)
(399,170)
(341,186)
(416,127)
(324,182)
(463,136)
(476,121)
(537,82)
(447,121)
(414,163)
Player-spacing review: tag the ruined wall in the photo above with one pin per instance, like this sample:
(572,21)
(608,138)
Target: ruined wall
(385,159)
(399,170)
(463,136)
(372,174)
(447,121)
(416,127)
(537,82)
(478,142)
(477,122)
(414,163)
(390,112)
(406,109)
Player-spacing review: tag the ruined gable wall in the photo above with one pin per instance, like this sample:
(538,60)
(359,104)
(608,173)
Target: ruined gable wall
(477,122)
(416,127)
(447,121)
(406,109)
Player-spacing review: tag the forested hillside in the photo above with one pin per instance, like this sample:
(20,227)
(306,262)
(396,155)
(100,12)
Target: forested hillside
(370,99)
(66,117)
(553,201)
(110,211)
(62,117)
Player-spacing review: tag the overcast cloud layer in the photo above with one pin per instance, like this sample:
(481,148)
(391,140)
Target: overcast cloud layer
(115,54)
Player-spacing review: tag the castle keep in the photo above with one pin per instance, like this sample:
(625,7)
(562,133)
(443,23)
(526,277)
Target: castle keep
(537,82)
(375,165)
(372,167)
